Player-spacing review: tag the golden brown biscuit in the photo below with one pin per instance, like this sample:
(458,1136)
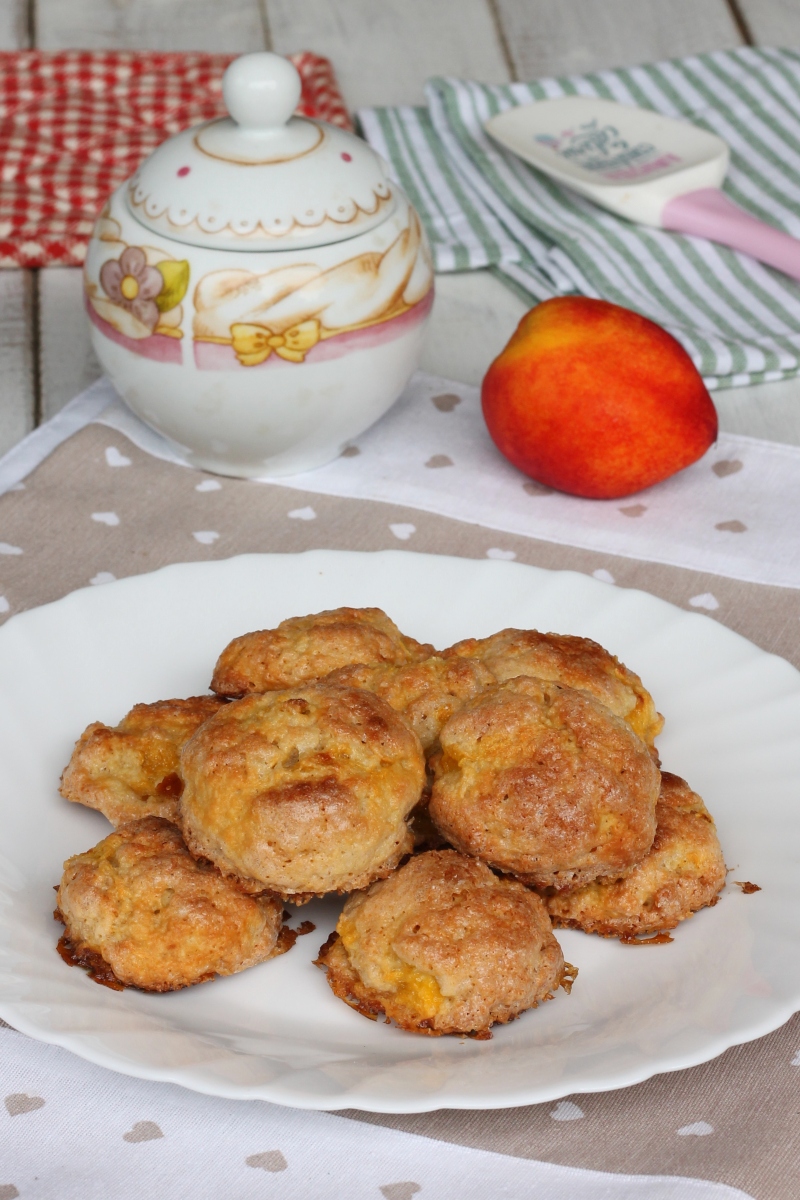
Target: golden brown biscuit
(139,911)
(683,872)
(302,791)
(545,783)
(576,662)
(427,693)
(303,649)
(444,946)
(132,770)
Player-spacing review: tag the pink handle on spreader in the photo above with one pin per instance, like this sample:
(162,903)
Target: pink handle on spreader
(710,214)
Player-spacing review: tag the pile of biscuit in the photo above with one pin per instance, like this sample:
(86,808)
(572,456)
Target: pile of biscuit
(467,800)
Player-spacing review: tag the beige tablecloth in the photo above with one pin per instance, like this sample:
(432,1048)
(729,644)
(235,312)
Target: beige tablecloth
(80,519)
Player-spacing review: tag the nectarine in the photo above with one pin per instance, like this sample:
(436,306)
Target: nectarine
(596,400)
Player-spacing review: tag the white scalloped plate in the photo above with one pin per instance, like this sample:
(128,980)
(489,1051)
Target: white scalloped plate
(276,1031)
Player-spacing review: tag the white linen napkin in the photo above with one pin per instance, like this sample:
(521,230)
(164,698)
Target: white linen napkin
(74,1131)
(734,513)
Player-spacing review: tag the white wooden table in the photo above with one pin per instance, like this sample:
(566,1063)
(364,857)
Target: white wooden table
(383,50)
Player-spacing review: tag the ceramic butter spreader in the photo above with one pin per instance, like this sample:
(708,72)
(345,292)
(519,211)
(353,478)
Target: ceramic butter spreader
(258,290)
(644,166)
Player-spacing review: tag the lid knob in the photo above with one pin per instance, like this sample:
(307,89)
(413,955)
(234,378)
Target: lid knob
(261,90)
(262,178)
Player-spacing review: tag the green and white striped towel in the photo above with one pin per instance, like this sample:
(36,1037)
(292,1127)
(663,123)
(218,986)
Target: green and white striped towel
(483,207)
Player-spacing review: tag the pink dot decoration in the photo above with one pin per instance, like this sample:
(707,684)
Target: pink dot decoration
(347,157)
(184,170)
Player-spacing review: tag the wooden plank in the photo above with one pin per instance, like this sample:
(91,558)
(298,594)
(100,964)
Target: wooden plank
(383,52)
(221,25)
(544,38)
(14,25)
(768,410)
(17,405)
(473,317)
(17,295)
(772,22)
(67,363)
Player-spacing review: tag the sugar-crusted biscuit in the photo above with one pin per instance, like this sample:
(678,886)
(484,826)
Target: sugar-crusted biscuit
(576,662)
(302,791)
(303,649)
(139,911)
(444,946)
(427,693)
(683,872)
(545,783)
(132,769)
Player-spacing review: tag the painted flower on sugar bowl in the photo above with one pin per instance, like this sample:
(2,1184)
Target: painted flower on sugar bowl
(140,291)
(129,281)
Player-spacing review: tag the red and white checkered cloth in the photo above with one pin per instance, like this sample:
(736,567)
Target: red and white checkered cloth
(75,124)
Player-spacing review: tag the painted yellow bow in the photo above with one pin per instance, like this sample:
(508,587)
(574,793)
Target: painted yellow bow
(254,343)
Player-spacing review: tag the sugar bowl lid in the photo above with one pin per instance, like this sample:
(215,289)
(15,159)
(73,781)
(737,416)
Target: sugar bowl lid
(261,179)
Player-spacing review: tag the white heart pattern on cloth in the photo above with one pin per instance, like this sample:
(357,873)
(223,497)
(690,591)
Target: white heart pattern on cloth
(115,459)
(696,1129)
(206,537)
(403,531)
(705,600)
(565,1110)
(106,518)
(502,555)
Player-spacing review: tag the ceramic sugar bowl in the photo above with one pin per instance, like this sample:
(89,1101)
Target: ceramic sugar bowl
(259,289)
